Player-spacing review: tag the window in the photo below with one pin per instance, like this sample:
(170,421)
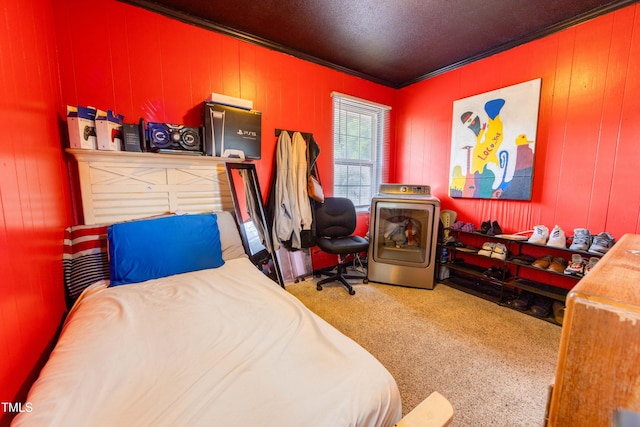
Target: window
(360,148)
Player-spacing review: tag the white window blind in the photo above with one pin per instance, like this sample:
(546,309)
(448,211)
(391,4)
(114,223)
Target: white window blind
(360,148)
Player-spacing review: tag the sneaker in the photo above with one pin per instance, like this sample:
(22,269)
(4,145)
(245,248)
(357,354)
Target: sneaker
(581,240)
(496,273)
(540,235)
(485,226)
(499,251)
(487,249)
(495,229)
(602,243)
(590,264)
(557,238)
(576,266)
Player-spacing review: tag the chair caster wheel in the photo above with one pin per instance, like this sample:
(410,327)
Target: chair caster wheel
(352,292)
(319,288)
(365,281)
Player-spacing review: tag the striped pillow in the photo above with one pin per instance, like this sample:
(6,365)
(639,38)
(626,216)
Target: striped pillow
(85,259)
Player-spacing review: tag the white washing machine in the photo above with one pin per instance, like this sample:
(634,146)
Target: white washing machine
(403,235)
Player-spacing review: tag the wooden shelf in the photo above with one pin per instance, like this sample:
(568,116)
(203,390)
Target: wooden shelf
(147,158)
(122,185)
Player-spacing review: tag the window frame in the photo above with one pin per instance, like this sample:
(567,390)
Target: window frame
(379,146)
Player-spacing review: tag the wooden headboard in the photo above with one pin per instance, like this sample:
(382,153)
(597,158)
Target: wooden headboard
(117,185)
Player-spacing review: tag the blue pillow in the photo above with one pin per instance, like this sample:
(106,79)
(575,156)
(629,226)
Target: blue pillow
(154,248)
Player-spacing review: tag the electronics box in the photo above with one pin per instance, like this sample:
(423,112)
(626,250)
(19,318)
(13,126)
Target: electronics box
(217,98)
(232,132)
(131,136)
(81,122)
(109,130)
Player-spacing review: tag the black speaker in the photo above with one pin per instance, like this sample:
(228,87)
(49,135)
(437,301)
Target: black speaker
(166,137)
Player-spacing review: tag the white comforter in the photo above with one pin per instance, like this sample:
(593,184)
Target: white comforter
(222,347)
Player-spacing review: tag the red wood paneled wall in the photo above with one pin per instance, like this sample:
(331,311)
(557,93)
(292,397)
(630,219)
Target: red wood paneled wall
(34,194)
(141,64)
(115,56)
(587,146)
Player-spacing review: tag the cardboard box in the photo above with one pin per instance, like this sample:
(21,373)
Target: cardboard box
(217,98)
(109,130)
(82,127)
(232,132)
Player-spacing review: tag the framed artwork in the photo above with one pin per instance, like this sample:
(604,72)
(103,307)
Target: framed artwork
(493,143)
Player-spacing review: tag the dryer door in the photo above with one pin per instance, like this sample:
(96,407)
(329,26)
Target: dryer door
(402,232)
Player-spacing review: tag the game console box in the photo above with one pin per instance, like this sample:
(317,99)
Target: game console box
(232,132)
(109,130)
(81,122)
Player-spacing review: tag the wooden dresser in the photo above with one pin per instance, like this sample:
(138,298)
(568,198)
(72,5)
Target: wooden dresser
(598,368)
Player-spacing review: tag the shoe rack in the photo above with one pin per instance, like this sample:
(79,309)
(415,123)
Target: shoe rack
(510,280)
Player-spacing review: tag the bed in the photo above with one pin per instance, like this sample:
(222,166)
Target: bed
(219,346)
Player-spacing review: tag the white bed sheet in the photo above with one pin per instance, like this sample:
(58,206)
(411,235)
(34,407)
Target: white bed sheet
(222,347)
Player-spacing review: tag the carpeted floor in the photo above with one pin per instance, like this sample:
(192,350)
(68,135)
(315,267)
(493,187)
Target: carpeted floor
(492,363)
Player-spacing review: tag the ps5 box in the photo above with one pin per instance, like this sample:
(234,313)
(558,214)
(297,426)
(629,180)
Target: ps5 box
(81,122)
(232,132)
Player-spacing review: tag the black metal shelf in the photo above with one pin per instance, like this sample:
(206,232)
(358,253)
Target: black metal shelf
(534,268)
(472,270)
(467,276)
(570,251)
(478,288)
(553,292)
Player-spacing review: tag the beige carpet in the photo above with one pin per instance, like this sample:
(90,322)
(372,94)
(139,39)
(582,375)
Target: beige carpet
(493,364)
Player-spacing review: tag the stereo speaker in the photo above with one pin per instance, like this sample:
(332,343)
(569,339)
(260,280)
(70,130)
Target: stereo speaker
(166,137)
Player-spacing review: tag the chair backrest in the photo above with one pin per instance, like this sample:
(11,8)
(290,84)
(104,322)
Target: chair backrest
(336,217)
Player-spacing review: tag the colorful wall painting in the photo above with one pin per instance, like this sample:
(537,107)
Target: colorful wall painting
(493,143)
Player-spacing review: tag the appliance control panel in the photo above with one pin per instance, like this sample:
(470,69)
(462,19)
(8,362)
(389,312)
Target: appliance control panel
(405,189)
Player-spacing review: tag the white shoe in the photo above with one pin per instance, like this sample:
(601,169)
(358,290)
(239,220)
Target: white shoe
(557,238)
(487,249)
(540,235)
(499,251)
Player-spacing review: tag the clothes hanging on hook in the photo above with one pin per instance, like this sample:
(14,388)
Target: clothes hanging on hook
(283,197)
(288,205)
(300,177)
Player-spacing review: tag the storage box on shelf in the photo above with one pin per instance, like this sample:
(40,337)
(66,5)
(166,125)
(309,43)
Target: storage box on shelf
(475,270)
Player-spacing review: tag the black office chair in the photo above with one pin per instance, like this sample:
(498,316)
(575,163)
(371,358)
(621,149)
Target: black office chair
(335,222)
